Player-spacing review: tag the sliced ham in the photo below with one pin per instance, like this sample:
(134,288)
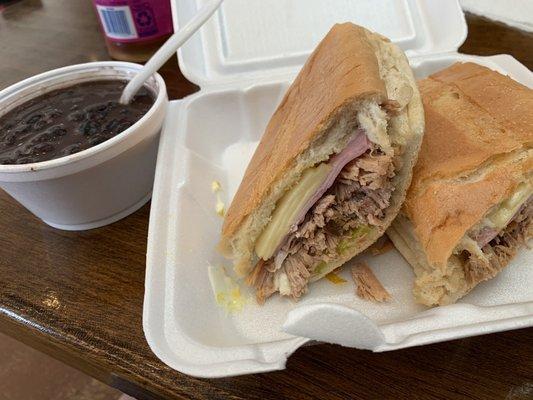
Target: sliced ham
(484,235)
(357,146)
(498,251)
(487,233)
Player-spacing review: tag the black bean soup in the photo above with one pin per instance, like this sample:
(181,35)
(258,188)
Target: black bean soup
(69,120)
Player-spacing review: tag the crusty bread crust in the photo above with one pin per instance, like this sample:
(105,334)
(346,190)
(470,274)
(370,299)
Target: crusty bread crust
(341,69)
(475,152)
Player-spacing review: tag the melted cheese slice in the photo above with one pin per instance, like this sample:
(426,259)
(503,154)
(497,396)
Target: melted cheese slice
(287,210)
(500,217)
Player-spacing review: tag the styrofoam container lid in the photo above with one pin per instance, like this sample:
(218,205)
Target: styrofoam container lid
(249,39)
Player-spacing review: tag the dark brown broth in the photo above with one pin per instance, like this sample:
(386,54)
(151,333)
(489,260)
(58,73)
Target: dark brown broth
(68,120)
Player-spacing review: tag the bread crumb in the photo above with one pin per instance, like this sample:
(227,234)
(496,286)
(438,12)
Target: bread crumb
(216,187)
(220,207)
(368,287)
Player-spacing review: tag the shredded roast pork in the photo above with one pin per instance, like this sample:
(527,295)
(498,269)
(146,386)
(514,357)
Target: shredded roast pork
(354,204)
(501,248)
(358,145)
(368,286)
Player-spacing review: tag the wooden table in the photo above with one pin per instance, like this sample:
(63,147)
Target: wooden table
(78,295)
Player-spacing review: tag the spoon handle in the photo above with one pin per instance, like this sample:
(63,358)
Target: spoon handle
(168,49)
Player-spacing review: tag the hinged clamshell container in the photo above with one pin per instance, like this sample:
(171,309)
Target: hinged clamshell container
(244,59)
(249,40)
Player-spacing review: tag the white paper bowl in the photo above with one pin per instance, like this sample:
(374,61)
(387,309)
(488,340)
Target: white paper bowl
(97,186)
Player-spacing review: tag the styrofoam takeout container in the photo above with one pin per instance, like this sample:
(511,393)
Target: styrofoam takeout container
(97,186)
(244,59)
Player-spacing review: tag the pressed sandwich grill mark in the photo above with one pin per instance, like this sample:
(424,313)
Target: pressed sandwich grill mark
(475,102)
(477,74)
(472,175)
(448,90)
(459,93)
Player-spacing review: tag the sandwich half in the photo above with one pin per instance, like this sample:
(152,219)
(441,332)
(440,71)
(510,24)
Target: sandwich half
(470,205)
(332,168)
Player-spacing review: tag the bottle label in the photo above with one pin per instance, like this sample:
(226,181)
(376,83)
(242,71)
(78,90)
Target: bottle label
(134,20)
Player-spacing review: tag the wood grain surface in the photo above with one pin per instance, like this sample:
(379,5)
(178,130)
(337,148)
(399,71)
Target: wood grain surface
(78,295)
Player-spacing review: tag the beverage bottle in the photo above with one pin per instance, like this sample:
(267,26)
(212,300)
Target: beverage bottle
(134,29)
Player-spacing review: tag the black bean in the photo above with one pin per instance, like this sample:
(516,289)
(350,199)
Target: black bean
(95,115)
(41,148)
(97,108)
(7,161)
(10,139)
(101,107)
(7,126)
(24,160)
(57,130)
(43,137)
(21,129)
(90,128)
(51,134)
(54,113)
(123,126)
(74,148)
(76,116)
(39,124)
(142,97)
(34,118)
(101,115)
(25,150)
(111,126)
(97,140)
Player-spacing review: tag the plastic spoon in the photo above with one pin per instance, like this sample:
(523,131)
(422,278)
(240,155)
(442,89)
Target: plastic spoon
(168,49)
